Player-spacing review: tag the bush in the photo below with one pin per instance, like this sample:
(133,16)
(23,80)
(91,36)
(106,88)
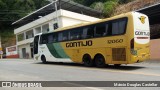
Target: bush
(109,6)
(98,6)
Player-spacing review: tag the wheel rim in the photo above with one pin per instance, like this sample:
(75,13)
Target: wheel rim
(87,61)
(100,62)
(43,59)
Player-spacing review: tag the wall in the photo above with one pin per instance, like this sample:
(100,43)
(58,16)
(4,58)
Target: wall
(28,50)
(45,24)
(11,52)
(0,44)
(155,49)
(70,18)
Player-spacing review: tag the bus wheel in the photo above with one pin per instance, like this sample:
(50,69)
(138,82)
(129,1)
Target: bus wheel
(100,61)
(87,60)
(117,65)
(43,59)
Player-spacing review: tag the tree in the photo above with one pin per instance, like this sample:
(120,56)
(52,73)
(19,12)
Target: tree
(40,3)
(109,6)
(12,10)
(98,6)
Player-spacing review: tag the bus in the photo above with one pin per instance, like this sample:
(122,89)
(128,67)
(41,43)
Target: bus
(122,39)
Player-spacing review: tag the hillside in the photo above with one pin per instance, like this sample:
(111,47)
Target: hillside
(12,10)
(134,5)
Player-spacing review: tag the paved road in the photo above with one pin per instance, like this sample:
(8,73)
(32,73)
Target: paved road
(31,70)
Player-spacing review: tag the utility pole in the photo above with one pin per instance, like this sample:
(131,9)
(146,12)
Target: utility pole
(56,9)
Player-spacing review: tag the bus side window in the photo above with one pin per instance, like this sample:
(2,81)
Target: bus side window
(75,34)
(60,36)
(55,37)
(100,30)
(44,39)
(65,36)
(109,30)
(84,35)
(118,27)
(88,32)
(50,38)
(106,30)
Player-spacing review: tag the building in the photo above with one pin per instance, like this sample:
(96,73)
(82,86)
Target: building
(48,18)
(1,52)
(154,15)
(0,46)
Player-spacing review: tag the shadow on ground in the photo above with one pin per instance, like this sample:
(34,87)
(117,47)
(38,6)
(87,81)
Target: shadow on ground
(122,67)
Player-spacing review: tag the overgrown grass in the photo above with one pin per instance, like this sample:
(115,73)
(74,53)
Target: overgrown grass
(135,5)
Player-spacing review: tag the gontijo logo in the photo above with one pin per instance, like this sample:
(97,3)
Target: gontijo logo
(142,19)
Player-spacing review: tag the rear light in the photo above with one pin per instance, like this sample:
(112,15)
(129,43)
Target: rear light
(133,52)
(132,43)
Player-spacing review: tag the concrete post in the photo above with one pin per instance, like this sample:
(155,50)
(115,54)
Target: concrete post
(1,52)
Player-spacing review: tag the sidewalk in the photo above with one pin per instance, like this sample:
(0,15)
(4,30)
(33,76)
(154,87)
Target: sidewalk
(154,61)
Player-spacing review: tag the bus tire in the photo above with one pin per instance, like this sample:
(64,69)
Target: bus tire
(100,61)
(43,59)
(87,61)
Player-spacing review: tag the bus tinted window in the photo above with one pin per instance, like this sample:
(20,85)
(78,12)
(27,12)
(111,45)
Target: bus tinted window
(44,39)
(108,28)
(75,34)
(118,26)
(63,36)
(55,37)
(101,30)
(50,38)
(60,36)
(88,32)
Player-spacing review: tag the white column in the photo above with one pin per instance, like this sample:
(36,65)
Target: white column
(0,49)
(17,44)
(34,31)
(0,43)
(51,26)
(41,29)
(24,35)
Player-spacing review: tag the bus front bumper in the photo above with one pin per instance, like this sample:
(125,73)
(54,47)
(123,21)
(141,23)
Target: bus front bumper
(141,58)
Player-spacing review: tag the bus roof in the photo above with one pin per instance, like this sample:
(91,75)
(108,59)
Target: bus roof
(90,23)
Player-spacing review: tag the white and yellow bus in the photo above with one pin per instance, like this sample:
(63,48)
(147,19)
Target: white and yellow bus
(122,39)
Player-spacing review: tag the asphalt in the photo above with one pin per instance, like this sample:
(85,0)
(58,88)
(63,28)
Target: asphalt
(31,70)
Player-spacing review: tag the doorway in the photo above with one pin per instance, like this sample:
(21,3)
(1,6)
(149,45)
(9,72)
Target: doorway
(23,52)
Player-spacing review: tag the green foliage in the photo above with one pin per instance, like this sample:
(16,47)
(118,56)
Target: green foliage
(98,6)
(40,3)
(109,6)
(10,11)
(106,7)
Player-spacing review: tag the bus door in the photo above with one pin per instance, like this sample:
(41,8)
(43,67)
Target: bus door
(36,40)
